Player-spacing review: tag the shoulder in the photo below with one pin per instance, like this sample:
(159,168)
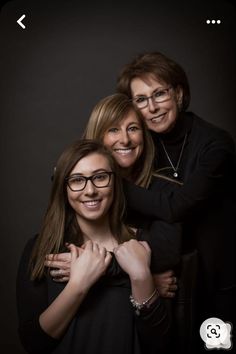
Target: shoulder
(204,131)
(28,248)
(163,183)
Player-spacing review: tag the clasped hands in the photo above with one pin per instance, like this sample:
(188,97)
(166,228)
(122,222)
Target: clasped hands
(133,257)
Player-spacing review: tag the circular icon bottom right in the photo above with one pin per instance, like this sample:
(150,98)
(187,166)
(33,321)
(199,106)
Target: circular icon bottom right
(216,333)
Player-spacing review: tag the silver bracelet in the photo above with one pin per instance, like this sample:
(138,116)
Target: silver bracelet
(138,306)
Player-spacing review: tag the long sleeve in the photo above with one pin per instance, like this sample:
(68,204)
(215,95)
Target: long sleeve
(165,241)
(214,164)
(154,327)
(32,300)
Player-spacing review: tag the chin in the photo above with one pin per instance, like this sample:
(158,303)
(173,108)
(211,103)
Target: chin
(162,128)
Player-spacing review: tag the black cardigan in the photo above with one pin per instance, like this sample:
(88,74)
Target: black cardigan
(206,203)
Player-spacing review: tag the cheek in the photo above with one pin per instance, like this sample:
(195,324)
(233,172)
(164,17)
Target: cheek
(108,140)
(138,139)
(173,106)
(72,198)
(109,195)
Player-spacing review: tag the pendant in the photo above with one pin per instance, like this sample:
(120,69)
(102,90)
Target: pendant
(175,174)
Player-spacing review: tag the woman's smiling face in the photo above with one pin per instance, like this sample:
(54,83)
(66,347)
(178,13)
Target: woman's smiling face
(125,140)
(159,117)
(91,203)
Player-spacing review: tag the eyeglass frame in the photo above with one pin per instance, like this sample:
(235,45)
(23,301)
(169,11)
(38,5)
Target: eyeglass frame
(151,97)
(89,178)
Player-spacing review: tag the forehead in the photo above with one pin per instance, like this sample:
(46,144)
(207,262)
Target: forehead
(129,118)
(145,84)
(92,163)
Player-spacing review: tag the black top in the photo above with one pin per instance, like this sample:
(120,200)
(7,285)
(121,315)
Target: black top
(164,239)
(105,322)
(208,166)
(207,200)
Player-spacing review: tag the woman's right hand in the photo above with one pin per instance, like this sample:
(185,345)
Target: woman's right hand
(166,283)
(88,266)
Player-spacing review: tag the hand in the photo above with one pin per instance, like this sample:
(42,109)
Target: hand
(87,267)
(62,262)
(134,258)
(166,283)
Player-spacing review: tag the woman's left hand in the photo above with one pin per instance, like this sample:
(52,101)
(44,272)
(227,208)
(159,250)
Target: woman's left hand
(134,258)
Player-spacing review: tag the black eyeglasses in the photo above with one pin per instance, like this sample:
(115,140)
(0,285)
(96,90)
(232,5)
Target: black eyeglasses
(77,182)
(157,96)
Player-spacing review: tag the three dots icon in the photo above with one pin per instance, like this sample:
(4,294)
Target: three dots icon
(213,22)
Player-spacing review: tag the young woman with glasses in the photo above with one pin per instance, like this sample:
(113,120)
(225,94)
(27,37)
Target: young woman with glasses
(110,303)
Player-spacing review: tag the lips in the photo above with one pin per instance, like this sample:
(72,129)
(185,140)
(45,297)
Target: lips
(92,204)
(158,119)
(124,151)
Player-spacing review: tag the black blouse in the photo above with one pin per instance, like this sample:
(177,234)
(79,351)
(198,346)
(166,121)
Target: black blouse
(105,322)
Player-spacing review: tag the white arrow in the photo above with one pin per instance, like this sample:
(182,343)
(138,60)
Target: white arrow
(19,21)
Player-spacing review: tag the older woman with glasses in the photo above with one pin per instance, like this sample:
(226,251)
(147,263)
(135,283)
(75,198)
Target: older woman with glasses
(202,157)
(110,303)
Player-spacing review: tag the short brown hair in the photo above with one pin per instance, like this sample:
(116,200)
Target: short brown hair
(158,65)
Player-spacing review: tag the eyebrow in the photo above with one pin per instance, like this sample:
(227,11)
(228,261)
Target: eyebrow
(137,123)
(92,172)
(157,89)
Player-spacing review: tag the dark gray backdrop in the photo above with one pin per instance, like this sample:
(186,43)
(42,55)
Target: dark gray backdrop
(54,71)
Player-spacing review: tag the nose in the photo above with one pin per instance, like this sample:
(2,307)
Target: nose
(152,106)
(90,189)
(124,137)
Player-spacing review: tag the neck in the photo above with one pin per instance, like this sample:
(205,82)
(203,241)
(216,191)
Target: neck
(98,231)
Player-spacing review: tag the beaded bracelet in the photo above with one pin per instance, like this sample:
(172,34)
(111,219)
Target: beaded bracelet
(138,306)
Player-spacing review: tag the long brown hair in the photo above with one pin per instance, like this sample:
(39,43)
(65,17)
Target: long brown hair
(111,110)
(59,223)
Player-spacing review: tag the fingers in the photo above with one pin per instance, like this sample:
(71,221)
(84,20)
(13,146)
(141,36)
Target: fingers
(61,257)
(88,245)
(168,273)
(166,292)
(95,247)
(173,287)
(145,245)
(169,294)
(61,279)
(55,264)
(173,280)
(59,273)
(73,251)
(108,258)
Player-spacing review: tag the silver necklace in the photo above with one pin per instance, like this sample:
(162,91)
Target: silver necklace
(175,168)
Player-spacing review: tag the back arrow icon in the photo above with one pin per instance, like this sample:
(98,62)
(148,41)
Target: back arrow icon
(19,21)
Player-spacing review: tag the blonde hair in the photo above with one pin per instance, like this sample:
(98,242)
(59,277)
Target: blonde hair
(111,110)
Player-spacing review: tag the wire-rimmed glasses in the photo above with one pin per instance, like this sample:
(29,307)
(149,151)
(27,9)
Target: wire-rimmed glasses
(158,96)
